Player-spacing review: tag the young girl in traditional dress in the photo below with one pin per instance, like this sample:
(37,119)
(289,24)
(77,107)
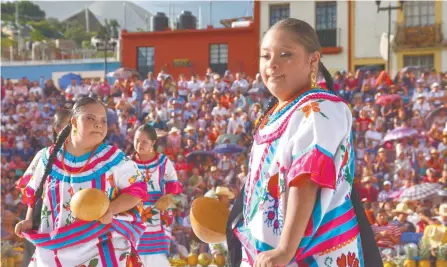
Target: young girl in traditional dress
(297,208)
(162,184)
(78,160)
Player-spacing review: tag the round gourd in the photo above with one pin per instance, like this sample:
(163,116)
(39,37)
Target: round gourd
(89,204)
(209,219)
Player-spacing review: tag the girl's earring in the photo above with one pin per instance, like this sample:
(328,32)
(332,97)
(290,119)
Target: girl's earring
(75,131)
(313,80)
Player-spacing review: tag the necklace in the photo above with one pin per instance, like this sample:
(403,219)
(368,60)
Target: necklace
(146,166)
(85,165)
(279,111)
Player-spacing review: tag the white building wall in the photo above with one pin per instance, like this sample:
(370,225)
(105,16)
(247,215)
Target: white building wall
(369,26)
(305,10)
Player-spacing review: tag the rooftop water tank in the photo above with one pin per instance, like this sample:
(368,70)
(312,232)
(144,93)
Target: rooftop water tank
(187,21)
(159,22)
(240,24)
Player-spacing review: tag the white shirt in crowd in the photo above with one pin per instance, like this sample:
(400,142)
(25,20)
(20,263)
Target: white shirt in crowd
(220,111)
(423,108)
(36,91)
(233,124)
(147,105)
(75,90)
(437,94)
(182,88)
(207,86)
(416,95)
(241,85)
(162,113)
(193,86)
(373,136)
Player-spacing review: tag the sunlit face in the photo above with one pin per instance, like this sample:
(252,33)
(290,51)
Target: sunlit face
(285,65)
(91,125)
(381,218)
(142,143)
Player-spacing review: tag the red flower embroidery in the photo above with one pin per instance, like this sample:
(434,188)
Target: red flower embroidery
(350,261)
(341,261)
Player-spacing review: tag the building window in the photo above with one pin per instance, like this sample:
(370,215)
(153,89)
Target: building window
(219,58)
(326,22)
(419,13)
(426,62)
(279,12)
(146,60)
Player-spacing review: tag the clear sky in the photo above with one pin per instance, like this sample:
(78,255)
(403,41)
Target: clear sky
(219,9)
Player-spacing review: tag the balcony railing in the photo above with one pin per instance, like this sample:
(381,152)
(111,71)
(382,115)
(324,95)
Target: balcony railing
(418,36)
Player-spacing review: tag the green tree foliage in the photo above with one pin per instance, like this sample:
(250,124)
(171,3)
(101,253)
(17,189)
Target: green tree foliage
(48,29)
(27,12)
(77,33)
(114,27)
(6,42)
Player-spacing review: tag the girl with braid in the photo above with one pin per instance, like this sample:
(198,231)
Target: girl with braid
(297,207)
(162,185)
(78,160)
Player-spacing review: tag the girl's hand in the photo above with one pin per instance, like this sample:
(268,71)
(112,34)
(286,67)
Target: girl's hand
(107,217)
(164,202)
(272,258)
(23,226)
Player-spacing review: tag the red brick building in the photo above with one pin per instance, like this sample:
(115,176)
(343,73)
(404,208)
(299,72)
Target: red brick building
(193,51)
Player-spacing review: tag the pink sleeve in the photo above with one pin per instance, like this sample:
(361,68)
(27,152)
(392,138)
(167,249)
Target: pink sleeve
(138,189)
(319,165)
(173,187)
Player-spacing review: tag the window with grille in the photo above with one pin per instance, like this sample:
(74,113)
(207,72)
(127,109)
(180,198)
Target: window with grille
(426,62)
(219,58)
(419,13)
(146,60)
(326,22)
(279,12)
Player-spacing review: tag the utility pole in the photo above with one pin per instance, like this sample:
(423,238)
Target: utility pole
(211,11)
(389,8)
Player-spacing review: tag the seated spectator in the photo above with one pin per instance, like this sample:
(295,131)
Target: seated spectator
(402,211)
(387,235)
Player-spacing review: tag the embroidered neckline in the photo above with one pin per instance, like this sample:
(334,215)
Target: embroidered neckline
(276,133)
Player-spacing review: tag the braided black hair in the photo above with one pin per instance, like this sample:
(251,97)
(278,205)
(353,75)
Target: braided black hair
(327,76)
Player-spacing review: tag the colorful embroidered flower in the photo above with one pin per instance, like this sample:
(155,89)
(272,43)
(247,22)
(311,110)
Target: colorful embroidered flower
(313,106)
(350,261)
(276,224)
(71,191)
(271,215)
(132,179)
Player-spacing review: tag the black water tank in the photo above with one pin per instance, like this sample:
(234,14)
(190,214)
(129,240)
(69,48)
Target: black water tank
(186,21)
(159,22)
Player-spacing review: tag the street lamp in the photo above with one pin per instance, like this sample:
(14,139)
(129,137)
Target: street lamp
(104,43)
(389,8)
